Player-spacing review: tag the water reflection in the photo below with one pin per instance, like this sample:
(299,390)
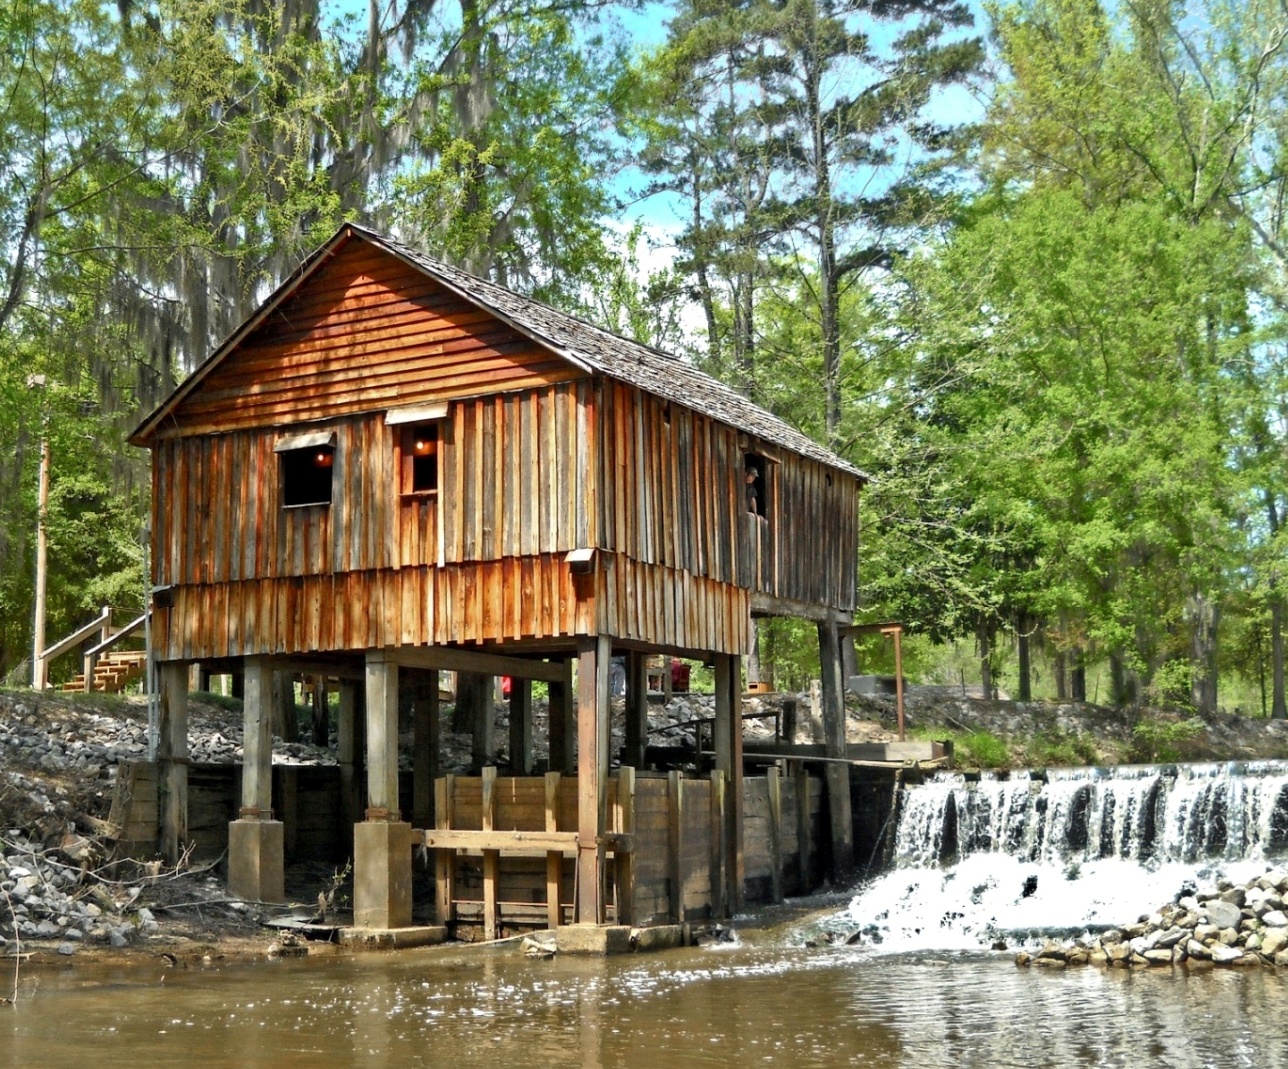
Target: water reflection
(764,1004)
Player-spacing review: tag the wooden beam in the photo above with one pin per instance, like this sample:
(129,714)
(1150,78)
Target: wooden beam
(834,744)
(636,710)
(491,857)
(675,843)
(346,753)
(768,605)
(561,722)
(592,775)
(774,787)
(488,664)
(728,747)
(521,726)
(172,758)
(624,823)
(257,740)
(425,714)
(382,738)
(444,860)
(554,858)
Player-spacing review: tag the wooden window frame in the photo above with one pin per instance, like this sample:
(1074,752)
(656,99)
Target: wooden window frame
(408,434)
(764,482)
(300,454)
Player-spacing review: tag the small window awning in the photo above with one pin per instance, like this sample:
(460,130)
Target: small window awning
(416,414)
(305,441)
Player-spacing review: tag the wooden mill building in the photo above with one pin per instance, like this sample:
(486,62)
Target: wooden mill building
(394,468)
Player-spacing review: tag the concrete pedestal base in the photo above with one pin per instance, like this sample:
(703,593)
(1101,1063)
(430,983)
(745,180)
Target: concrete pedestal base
(597,939)
(381,875)
(255,853)
(392,938)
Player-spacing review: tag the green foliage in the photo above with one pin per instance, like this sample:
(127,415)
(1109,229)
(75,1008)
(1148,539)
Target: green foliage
(1060,749)
(220,701)
(1164,738)
(981,749)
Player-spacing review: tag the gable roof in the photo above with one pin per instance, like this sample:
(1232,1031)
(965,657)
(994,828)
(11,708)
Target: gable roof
(588,347)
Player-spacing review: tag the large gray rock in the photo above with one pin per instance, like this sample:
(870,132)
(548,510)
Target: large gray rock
(1276,918)
(1273,940)
(1223,914)
(1223,955)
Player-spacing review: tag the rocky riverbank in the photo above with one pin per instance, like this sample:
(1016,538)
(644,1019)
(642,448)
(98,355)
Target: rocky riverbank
(1239,925)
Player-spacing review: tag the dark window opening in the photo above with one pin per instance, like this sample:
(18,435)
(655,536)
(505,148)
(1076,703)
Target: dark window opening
(756,484)
(306,475)
(420,459)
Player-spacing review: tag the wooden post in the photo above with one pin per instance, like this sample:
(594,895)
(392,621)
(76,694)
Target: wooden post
(675,843)
(257,741)
(592,775)
(774,788)
(898,677)
(484,721)
(624,822)
(382,842)
(172,758)
(424,748)
(804,825)
(521,726)
(256,846)
(285,723)
(834,746)
(561,723)
(321,720)
(728,747)
(636,711)
(554,859)
(445,860)
(789,721)
(39,666)
(382,739)
(491,858)
(288,806)
(719,847)
(346,748)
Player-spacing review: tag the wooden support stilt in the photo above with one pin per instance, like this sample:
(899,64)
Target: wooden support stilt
(804,824)
(521,726)
(255,841)
(675,843)
(554,860)
(774,787)
(172,758)
(424,748)
(728,747)
(445,860)
(346,750)
(592,776)
(719,847)
(382,738)
(624,822)
(834,745)
(491,858)
(562,723)
(636,710)
(288,806)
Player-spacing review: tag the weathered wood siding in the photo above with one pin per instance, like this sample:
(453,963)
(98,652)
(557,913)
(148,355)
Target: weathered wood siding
(674,498)
(365,332)
(480,561)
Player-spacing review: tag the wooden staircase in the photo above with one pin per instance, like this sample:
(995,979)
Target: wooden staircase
(113,672)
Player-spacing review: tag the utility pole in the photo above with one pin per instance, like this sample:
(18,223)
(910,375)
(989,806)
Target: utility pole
(39,670)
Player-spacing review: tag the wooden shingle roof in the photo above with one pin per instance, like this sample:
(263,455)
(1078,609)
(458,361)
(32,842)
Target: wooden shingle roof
(589,347)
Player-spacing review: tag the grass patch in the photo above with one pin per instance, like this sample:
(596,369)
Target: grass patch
(1059,749)
(219,701)
(1157,739)
(982,749)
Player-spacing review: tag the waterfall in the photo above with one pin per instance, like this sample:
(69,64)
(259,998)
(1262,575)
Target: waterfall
(1000,857)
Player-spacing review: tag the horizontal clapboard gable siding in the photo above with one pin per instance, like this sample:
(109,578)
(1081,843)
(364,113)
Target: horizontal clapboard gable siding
(366,331)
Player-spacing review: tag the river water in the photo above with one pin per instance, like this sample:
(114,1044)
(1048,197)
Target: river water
(975,863)
(761,1002)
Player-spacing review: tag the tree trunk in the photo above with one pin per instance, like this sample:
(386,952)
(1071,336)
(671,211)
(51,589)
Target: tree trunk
(984,638)
(1203,615)
(1026,669)
(1277,707)
(1061,678)
(472,691)
(752,661)
(1078,678)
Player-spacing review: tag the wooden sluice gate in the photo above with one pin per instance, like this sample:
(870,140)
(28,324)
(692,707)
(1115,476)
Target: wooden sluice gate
(504,848)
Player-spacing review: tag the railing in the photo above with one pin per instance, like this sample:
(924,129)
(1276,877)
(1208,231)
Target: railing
(102,626)
(91,655)
(40,669)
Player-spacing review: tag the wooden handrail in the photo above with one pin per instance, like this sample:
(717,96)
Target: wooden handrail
(78,636)
(125,632)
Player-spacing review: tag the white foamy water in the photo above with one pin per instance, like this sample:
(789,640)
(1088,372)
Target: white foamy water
(1014,858)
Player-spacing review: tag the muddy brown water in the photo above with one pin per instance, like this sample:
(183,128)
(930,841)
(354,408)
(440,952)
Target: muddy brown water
(760,1002)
